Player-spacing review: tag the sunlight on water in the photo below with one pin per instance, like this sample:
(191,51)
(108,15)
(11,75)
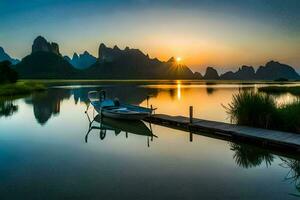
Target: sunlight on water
(178,90)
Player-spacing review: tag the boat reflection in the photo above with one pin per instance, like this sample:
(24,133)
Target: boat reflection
(108,125)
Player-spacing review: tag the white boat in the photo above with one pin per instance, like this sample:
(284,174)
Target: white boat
(115,109)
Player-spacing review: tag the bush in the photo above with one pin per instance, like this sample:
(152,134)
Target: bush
(289,118)
(259,110)
(252,109)
(7,74)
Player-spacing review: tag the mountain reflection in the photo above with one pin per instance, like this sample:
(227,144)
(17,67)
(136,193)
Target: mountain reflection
(247,156)
(7,108)
(47,104)
(108,125)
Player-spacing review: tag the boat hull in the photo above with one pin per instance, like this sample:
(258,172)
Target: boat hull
(127,116)
(137,116)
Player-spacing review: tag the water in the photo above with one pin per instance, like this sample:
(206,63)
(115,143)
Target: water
(48,152)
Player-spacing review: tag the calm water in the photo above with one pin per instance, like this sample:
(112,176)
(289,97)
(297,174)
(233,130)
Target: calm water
(49,149)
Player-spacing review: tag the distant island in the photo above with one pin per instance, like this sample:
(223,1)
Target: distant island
(46,62)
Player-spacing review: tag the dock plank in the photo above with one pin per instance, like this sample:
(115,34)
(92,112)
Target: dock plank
(283,139)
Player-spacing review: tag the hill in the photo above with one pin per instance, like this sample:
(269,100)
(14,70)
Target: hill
(81,61)
(4,56)
(134,64)
(44,62)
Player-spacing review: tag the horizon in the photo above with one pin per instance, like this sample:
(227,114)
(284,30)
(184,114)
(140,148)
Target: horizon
(223,34)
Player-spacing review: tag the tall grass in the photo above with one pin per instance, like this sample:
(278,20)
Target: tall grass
(252,109)
(260,110)
(289,117)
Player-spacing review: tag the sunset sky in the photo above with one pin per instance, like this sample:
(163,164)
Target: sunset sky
(221,33)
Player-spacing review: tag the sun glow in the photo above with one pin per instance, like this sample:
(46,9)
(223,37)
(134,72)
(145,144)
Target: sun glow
(178,59)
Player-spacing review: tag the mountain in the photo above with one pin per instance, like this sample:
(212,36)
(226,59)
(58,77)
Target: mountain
(275,70)
(243,73)
(4,56)
(45,61)
(134,64)
(198,75)
(211,74)
(271,71)
(82,61)
(40,44)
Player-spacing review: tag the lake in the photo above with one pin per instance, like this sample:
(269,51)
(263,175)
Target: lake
(50,150)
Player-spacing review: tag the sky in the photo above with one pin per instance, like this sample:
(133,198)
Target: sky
(219,33)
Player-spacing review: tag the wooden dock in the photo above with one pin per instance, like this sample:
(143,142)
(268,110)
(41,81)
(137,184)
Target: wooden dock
(268,138)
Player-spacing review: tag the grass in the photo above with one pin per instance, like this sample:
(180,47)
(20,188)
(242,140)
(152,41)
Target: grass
(295,90)
(21,88)
(252,109)
(259,110)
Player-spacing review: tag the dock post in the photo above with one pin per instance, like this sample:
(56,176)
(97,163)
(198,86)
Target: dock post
(152,108)
(147,101)
(191,136)
(191,114)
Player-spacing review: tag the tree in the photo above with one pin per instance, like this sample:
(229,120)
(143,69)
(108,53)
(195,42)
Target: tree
(7,74)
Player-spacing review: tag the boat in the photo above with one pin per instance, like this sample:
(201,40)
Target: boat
(115,109)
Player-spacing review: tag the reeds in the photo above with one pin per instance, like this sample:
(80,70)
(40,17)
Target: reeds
(259,110)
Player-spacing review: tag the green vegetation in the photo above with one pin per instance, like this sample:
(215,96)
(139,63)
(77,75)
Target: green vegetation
(21,88)
(7,74)
(9,85)
(295,90)
(288,116)
(252,109)
(260,110)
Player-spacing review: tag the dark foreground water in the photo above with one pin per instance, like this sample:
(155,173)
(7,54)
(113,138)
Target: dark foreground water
(48,150)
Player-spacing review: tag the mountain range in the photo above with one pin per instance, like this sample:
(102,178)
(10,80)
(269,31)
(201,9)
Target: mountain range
(271,71)
(46,61)
(5,56)
(81,61)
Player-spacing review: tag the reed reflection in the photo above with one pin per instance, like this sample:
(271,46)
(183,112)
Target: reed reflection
(7,107)
(293,175)
(247,156)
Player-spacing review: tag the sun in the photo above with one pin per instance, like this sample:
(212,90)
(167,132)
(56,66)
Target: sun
(178,59)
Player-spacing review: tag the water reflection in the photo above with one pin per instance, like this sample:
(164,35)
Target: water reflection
(293,174)
(7,108)
(108,125)
(174,99)
(47,104)
(247,156)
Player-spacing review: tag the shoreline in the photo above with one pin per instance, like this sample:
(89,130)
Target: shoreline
(21,88)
